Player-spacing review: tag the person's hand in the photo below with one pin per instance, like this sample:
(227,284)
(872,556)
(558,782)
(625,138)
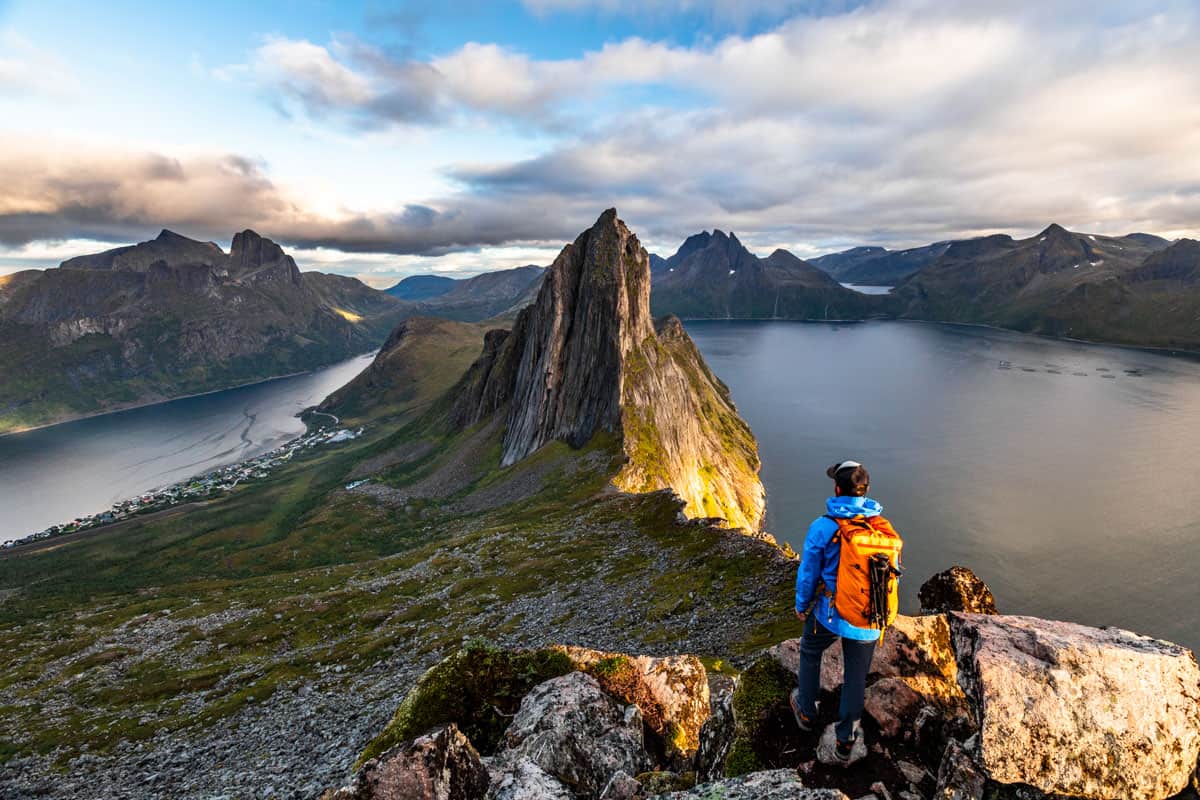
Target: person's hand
(800,615)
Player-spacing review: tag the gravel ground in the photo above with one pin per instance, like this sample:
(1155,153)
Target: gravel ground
(305,737)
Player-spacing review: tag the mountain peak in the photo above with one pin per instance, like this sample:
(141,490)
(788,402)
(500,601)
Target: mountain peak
(166,235)
(251,252)
(586,358)
(1054,229)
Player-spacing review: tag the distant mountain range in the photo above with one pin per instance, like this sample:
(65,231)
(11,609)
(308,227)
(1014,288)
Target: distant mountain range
(170,317)
(878,266)
(713,275)
(1136,289)
(491,294)
(174,316)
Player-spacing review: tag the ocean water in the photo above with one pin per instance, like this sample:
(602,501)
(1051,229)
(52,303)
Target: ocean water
(55,474)
(1064,474)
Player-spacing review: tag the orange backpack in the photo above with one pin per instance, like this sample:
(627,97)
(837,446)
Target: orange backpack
(868,572)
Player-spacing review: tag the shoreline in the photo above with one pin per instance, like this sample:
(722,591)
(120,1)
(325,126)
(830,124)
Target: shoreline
(1174,352)
(147,404)
(1177,352)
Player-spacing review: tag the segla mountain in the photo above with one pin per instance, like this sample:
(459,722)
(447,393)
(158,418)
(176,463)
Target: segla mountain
(587,357)
(170,317)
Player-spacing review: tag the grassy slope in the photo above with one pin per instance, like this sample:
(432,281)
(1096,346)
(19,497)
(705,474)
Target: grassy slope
(178,622)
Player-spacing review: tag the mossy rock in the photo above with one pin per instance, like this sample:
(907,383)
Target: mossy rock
(662,782)
(759,700)
(479,688)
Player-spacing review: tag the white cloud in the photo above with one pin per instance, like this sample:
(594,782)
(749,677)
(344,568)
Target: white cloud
(28,69)
(898,123)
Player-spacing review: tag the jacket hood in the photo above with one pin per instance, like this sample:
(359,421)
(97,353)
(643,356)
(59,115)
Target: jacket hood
(847,507)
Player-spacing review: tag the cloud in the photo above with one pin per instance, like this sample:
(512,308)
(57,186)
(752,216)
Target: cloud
(27,69)
(64,190)
(886,123)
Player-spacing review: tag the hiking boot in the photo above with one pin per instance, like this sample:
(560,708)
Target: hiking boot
(843,751)
(802,721)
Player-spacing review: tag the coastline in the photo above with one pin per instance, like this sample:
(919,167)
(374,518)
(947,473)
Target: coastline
(1176,352)
(148,403)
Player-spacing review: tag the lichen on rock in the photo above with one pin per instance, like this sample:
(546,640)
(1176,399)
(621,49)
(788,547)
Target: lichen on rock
(1073,710)
(576,732)
(438,765)
(777,784)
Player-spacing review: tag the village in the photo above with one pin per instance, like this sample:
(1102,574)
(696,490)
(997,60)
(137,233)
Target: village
(207,485)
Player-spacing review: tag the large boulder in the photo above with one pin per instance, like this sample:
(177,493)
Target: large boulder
(1079,711)
(671,692)
(478,687)
(956,589)
(573,730)
(524,780)
(776,784)
(440,765)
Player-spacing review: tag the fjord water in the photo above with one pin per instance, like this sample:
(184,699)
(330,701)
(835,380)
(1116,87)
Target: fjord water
(55,474)
(1064,474)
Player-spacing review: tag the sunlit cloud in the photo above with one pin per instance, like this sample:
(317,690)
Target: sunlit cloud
(895,122)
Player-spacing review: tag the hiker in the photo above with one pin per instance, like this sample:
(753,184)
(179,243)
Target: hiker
(845,588)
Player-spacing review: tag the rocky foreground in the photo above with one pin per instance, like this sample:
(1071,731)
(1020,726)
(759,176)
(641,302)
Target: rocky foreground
(962,704)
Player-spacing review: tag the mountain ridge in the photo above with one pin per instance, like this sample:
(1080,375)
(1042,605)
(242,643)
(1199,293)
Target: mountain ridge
(713,275)
(171,317)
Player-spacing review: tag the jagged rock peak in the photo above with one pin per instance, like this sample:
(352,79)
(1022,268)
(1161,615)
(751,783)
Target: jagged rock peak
(593,308)
(250,250)
(585,357)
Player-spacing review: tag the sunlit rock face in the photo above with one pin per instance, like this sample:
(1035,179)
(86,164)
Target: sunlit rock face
(586,356)
(1079,711)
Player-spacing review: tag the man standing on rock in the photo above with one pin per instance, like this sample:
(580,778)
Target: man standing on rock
(852,542)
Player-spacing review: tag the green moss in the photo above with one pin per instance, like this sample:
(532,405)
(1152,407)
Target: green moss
(478,688)
(654,783)
(610,667)
(763,688)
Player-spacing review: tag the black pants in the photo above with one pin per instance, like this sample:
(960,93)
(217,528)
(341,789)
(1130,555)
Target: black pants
(856,660)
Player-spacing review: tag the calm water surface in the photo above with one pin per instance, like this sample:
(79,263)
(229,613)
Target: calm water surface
(1064,474)
(867,289)
(55,474)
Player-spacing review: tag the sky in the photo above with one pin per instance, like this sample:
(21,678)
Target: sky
(384,139)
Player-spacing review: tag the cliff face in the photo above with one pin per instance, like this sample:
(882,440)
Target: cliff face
(172,316)
(586,357)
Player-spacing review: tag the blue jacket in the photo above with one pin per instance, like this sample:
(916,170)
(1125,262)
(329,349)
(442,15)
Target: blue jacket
(819,562)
